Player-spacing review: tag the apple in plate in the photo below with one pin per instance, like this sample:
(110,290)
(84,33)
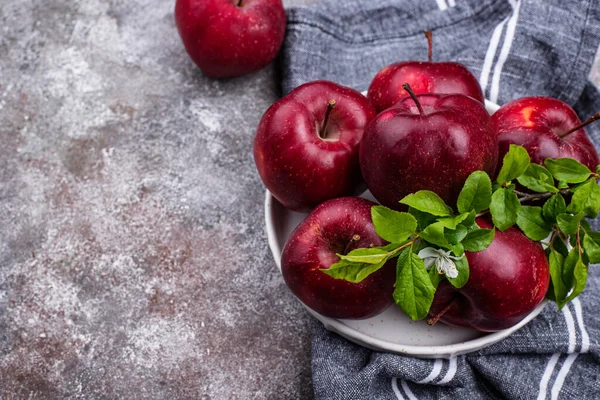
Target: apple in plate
(546,128)
(423,77)
(306,144)
(337,226)
(507,281)
(426,142)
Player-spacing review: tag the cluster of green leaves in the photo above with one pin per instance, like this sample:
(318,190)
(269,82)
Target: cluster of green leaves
(565,192)
(560,194)
(429,222)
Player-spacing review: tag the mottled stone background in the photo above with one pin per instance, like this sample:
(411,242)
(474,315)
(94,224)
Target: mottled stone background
(133,256)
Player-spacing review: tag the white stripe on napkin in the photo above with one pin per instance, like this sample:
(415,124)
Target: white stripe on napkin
(585,337)
(435,372)
(546,377)
(442,4)
(451,371)
(491,53)
(396,389)
(409,393)
(508,40)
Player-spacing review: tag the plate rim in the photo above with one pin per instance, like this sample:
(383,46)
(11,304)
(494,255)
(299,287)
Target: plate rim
(360,338)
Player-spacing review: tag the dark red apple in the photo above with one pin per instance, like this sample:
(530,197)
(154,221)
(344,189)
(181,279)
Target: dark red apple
(227,38)
(543,126)
(507,281)
(336,227)
(306,144)
(434,147)
(424,77)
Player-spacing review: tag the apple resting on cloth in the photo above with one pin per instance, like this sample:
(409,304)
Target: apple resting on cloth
(507,281)
(423,77)
(306,144)
(544,127)
(429,142)
(227,38)
(337,226)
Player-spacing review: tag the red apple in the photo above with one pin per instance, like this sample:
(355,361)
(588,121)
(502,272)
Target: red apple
(544,126)
(228,38)
(333,228)
(434,146)
(507,281)
(423,77)
(306,144)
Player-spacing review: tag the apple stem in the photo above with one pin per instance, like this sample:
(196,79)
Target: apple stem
(439,315)
(330,106)
(239,3)
(588,121)
(406,87)
(429,45)
(351,243)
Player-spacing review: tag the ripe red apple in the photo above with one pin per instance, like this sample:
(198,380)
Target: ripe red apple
(228,38)
(546,127)
(433,145)
(507,281)
(423,77)
(306,144)
(337,226)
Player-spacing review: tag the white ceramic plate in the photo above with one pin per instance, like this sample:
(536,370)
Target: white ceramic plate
(392,330)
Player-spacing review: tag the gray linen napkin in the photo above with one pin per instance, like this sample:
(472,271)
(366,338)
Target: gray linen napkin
(516,48)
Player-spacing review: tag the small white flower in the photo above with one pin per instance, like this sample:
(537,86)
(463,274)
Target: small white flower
(443,261)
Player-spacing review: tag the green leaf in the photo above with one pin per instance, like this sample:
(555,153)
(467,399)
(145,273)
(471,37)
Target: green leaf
(423,219)
(478,240)
(414,291)
(462,266)
(455,236)
(367,255)
(434,234)
(538,179)
(476,193)
(391,225)
(563,185)
(568,170)
(351,271)
(586,198)
(569,224)
(591,245)
(560,246)
(428,202)
(532,223)
(575,274)
(514,164)
(554,206)
(504,208)
(557,261)
(435,277)
(458,250)
(452,222)
(598,169)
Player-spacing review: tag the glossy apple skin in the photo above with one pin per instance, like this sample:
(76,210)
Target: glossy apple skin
(298,166)
(225,40)
(507,281)
(535,123)
(313,246)
(403,152)
(423,77)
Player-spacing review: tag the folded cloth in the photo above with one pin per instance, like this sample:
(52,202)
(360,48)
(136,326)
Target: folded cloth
(516,48)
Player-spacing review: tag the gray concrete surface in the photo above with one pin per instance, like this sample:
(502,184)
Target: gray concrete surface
(133,258)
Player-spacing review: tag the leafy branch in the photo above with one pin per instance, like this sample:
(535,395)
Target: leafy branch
(429,241)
